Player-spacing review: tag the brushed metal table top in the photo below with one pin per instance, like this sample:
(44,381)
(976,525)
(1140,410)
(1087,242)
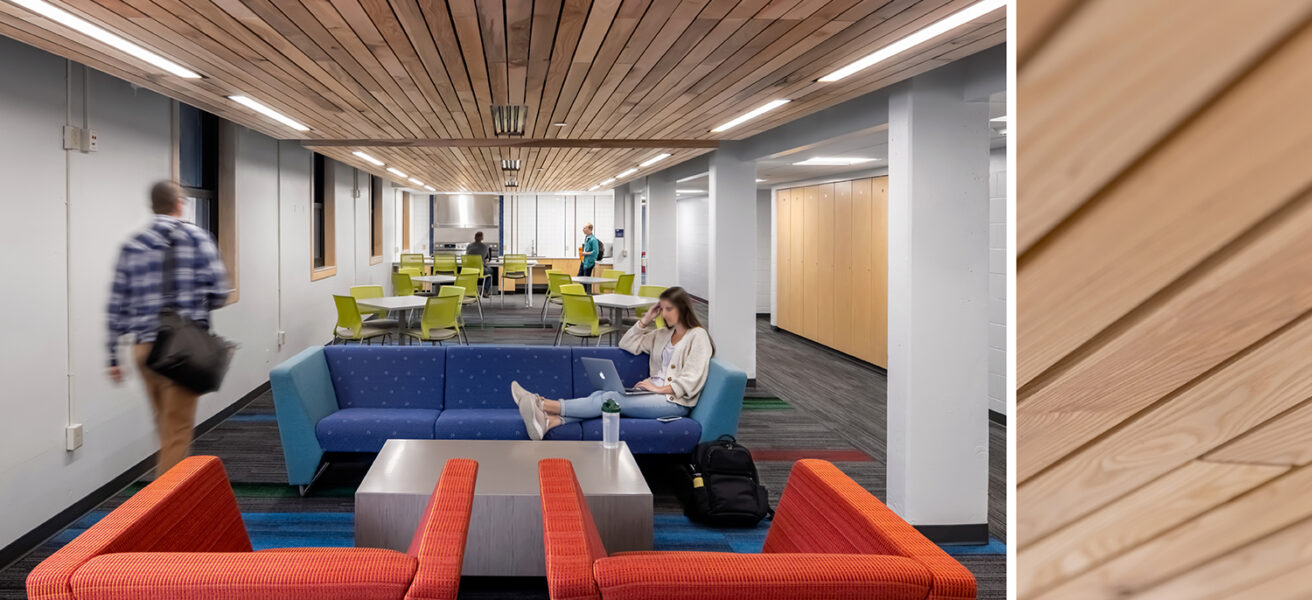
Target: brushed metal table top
(505,467)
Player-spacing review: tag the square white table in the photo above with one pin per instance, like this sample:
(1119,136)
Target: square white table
(390,303)
(619,303)
(505,528)
(435,279)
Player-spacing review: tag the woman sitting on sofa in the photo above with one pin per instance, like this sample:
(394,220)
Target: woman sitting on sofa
(680,356)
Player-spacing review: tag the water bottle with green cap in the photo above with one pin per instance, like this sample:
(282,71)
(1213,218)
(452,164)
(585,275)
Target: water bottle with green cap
(610,424)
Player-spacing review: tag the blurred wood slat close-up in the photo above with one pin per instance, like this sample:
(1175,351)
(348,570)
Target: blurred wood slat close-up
(1164,299)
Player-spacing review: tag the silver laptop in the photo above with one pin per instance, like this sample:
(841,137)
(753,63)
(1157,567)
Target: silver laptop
(602,373)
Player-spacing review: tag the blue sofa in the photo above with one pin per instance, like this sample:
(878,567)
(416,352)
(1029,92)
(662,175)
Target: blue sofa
(354,398)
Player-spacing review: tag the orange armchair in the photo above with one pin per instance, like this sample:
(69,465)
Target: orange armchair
(182,537)
(829,539)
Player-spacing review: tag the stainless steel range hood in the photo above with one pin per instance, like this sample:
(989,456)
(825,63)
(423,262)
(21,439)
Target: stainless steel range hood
(467,211)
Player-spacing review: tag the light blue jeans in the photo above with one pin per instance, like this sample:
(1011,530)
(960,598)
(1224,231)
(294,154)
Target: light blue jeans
(639,406)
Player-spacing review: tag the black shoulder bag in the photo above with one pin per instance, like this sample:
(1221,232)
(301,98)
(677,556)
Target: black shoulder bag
(185,351)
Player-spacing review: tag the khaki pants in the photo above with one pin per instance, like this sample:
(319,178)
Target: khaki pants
(175,411)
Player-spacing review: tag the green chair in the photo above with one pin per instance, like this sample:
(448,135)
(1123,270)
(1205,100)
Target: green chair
(625,284)
(402,285)
(609,288)
(445,263)
(513,266)
(579,317)
(441,318)
(555,279)
(647,291)
(412,264)
(350,325)
(468,279)
(375,318)
(475,261)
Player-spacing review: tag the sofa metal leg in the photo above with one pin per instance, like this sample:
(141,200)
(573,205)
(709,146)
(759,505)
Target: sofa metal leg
(305,489)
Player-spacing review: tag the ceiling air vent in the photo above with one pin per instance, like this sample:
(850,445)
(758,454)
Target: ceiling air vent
(512,183)
(509,165)
(508,119)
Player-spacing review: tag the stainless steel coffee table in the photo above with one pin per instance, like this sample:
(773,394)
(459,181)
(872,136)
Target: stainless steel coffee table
(505,529)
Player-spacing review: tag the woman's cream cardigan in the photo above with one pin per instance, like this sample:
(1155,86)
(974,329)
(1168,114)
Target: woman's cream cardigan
(688,367)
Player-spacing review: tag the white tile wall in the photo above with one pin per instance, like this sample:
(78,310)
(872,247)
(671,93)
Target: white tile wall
(998,280)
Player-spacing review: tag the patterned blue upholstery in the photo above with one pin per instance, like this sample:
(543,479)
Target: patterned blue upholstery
(649,436)
(480,376)
(388,376)
(493,424)
(631,367)
(365,429)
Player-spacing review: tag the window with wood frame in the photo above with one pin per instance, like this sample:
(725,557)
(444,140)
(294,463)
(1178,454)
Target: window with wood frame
(375,219)
(323,238)
(203,157)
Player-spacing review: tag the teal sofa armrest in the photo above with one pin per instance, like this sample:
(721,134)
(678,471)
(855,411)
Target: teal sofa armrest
(721,401)
(302,395)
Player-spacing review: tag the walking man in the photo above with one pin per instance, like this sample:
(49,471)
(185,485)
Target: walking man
(200,285)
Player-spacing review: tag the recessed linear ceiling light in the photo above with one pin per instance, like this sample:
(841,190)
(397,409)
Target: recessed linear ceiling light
(953,21)
(773,104)
(833,161)
(593,187)
(416,181)
(397,172)
(268,112)
(84,27)
(760,181)
(368,158)
(1002,119)
(690,191)
(626,173)
(430,188)
(559,125)
(608,181)
(653,160)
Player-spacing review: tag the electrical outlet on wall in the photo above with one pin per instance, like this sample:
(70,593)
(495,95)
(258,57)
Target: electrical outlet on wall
(73,437)
(90,140)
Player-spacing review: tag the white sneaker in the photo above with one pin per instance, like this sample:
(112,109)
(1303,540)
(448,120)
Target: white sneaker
(529,413)
(519,393)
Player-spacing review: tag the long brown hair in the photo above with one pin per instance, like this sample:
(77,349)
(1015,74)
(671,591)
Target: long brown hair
(682,302)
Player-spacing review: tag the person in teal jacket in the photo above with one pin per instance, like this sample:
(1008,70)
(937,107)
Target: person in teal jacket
(590,251)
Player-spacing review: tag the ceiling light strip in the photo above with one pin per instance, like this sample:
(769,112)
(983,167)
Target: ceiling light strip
(368,158)
(758,111)
(268,112)
(397,172)
(653,160)
(953,21)
(86,28)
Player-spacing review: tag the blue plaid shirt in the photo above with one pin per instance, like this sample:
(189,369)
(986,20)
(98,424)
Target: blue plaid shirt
(200,280)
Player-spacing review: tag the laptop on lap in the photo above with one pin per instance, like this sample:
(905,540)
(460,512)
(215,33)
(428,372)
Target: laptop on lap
(602,374)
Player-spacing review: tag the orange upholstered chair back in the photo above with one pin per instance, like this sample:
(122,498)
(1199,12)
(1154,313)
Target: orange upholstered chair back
(569,534)
(191,508)
(823,511)
(439,541)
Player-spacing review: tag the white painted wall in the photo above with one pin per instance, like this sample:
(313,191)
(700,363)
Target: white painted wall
(764,250)
(998,280)
(692,223)
(54,367)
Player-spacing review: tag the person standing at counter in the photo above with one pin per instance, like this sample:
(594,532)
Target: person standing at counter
(480,249)
(591,249)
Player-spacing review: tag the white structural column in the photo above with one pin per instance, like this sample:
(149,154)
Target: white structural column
(732,211)
(662,230)
(938,148)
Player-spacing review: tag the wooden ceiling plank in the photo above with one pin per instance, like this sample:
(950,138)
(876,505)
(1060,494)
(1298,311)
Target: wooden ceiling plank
(607,60)
(468,33)
(573,18)
(1217,533)
(519,39)
(674,25)
(1166,216)
(542,38)
(1163,349)
(596,26)
(1232,575)
(1228,402)
(1179,496)
(425,74)
(299,26)
(435,17)
(351,27)
(1038,21)
(236,17)
(1066,156)
(1284,440)
(492,25)
(622,69)
(796,78)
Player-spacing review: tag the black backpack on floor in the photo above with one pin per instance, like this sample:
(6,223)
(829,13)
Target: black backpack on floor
(726,491)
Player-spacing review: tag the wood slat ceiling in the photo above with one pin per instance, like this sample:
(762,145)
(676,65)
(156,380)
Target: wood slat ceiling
(616,70)
(1164,300)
